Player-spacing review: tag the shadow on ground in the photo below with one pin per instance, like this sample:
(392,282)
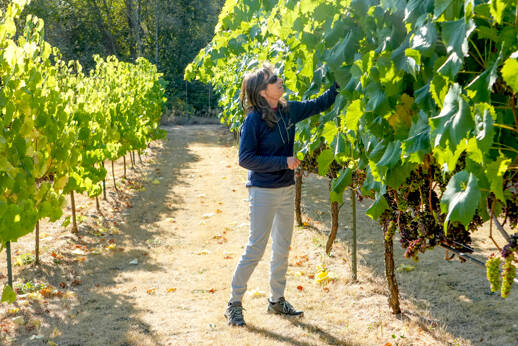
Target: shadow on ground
(102,317)
(456,294)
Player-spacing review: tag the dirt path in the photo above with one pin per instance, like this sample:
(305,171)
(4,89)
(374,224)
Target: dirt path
(169,247)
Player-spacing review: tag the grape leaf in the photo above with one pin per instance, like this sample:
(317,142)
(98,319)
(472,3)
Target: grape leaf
(461,198)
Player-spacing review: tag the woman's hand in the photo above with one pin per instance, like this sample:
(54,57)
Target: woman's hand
(293,162)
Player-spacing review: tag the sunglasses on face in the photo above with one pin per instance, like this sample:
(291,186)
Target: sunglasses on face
(272,79)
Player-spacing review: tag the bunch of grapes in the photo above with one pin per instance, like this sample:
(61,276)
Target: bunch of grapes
(511,210)
(508,275)
(414,247)
(391,230)
(493,273)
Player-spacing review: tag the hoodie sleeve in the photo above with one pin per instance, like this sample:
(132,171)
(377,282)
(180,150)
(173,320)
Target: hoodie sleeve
(305,109)
(248,148)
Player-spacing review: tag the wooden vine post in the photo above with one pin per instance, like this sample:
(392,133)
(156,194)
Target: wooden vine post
(139,157)
(298,196)
(113,175)
(124,160)
(391,276)
(9,264)
(37,247)
(104,186)
(97,205)
(74,221)
(354,247)
(335,210)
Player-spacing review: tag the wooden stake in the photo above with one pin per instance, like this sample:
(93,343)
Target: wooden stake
(391,276)
(98,205)
(74,221)
(354,247)
(37,248)
(298,196)
(104,186)
(113,175)
(9,264)
(124,159)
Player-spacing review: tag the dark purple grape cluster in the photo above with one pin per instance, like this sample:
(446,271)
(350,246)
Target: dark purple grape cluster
(510,247)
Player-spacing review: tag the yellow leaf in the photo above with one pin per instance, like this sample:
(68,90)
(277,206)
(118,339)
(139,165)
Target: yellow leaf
(172,289)
(55,333)
(405,268)
(256,293)
(155,182)
(110,247)
(219,211)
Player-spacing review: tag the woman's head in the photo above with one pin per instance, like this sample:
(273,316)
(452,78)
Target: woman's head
(259,87)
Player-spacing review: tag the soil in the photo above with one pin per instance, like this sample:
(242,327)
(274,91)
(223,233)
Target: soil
(155,268)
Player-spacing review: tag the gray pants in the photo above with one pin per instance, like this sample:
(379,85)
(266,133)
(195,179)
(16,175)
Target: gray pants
(271,210)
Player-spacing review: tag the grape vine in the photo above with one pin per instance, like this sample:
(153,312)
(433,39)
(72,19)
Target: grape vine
(426,113)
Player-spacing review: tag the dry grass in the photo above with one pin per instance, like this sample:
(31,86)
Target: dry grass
(187,234)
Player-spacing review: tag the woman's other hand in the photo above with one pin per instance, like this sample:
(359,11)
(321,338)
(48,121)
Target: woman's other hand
(293,162)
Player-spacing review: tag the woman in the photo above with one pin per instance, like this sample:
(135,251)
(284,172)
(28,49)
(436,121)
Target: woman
(266,150)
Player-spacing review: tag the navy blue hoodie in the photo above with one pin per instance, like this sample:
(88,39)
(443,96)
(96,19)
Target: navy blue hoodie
(264,151)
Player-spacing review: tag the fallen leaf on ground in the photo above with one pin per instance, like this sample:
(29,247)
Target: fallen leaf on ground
(256,293)
(55,333)
(212,290)
(219,211)
(405,268)
(155,182)
(19,320)
(300,288)
(151,290)
(172,289)
(206,216)
(202,252)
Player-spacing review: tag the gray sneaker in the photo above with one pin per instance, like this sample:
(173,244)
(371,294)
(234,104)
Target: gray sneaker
(234,314)
(282,307)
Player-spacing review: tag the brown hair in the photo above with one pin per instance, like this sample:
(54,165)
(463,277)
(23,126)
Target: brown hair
(251,99)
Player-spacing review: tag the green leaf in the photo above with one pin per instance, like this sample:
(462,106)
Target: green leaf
(419,136)
(455,121)
(484,129)
(339,184)
(439,88)
(323,11)
(353,115)
(510,71)
(324,161)
(391,156)
(495,173)
(440,7)
(8,295)
(455,36)
(461,198)
(497,9)
(329,132)
(397,176)
(378,207)
(424,39)
(479,90)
